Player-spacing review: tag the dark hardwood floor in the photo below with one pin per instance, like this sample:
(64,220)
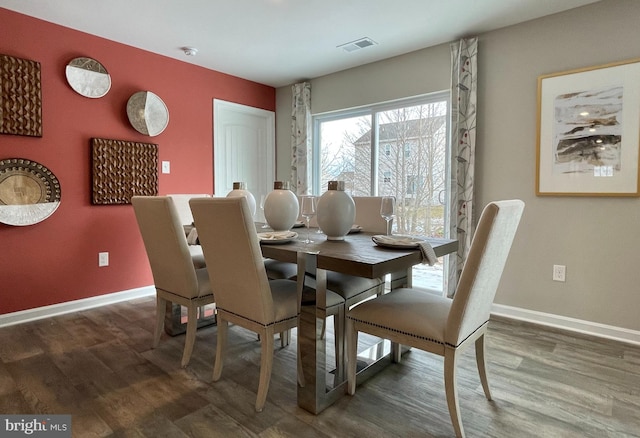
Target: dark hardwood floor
(98,366)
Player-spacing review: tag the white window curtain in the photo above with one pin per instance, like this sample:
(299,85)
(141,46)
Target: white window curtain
(301,144)
(464,80)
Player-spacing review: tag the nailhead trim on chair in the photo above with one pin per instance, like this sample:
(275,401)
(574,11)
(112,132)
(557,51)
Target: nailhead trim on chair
(413,335)
(259,323)
(395,331)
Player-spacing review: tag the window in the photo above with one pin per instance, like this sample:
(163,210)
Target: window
(410,163)
(398,148)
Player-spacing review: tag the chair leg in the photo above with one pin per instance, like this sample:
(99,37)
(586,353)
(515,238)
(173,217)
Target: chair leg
(482,366)
(161,309)
(352,356)
(190,339)
(266,363)
(285,338)
(324,328)
(396,352)
(451,390)
(223,325)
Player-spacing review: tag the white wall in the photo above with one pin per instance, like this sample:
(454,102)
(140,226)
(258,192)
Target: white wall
(598,239)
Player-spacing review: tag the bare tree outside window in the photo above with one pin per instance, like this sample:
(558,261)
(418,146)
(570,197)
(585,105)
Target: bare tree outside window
(411,165)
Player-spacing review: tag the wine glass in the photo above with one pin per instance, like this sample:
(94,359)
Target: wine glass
(264,223)
(388,210)
(308,209)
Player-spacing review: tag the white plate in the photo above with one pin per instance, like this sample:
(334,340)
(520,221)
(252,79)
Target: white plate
(298,224)
(277,237)
(355,229)
(397,241)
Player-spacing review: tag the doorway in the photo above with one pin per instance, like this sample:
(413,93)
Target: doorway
(243,147)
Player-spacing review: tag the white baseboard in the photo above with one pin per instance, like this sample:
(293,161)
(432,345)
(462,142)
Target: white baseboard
(73,306)
(570,324)
(545,319)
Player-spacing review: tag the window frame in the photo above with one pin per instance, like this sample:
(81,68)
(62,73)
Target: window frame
(372,111)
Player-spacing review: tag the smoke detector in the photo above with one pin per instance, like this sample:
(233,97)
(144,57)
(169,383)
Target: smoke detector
(190,51)
(357,44)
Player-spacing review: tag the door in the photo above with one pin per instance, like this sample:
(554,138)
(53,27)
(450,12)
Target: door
(243,148)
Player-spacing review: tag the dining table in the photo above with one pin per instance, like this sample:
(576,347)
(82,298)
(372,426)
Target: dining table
(324,379)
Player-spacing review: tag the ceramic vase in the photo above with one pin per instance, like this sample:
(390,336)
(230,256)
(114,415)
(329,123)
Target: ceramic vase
(281,207)
(240,189)
(336,211)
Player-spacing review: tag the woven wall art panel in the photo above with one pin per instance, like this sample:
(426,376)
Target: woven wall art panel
(122,169)
(20,97)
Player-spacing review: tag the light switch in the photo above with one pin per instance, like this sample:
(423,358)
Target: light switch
(166,167)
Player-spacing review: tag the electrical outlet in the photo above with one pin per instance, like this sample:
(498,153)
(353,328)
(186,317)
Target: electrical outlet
(103,259)
(559,272)
(166,167)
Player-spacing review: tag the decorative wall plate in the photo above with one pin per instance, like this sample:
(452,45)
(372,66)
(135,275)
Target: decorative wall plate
(88,77)
(147,113)
(29,192)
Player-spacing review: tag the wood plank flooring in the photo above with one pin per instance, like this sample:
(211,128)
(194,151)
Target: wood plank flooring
(98,366)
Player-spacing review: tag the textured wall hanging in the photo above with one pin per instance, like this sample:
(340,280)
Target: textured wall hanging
(20,97)
(122,169)
(147,113)
(88,77)
(29,192)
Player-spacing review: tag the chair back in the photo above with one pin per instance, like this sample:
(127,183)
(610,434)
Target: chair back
(368,214)
(166,245)
(181,201)
(234,260)
(483,268)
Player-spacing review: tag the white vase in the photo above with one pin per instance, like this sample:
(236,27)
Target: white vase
(240,189)
(336,211)
(281,208)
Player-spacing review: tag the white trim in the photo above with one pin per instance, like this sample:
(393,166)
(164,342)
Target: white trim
(74,306)
(546,319)
(570,324)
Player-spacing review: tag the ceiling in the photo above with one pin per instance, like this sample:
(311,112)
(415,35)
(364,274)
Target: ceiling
(280,42)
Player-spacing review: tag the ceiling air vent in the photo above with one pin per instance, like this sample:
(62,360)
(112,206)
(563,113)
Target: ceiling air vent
(357,44)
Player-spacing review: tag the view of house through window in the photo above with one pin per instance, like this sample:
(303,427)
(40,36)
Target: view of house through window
(398,149)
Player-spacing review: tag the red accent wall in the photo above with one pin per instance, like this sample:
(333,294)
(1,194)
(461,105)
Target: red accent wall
(57,260)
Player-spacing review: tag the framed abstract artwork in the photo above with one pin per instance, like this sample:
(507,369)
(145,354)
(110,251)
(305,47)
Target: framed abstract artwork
(589,131)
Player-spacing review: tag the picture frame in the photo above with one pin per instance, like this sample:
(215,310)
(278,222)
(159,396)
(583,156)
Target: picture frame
(589,131)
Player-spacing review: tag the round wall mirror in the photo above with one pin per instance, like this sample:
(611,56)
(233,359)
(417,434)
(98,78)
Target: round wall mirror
(147,113)
(29,192)
(88,77)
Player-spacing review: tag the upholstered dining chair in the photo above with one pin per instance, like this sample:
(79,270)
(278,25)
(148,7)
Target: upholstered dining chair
(441,325)
(181,202)
(244,294)
(175,277)
(352,289)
